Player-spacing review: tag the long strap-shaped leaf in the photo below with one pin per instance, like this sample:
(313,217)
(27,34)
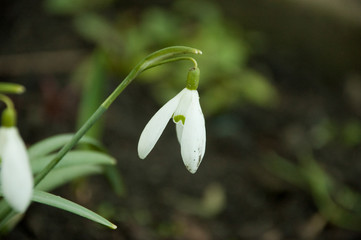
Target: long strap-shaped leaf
(74,158)
(60,176)
(62,203)
(51,144)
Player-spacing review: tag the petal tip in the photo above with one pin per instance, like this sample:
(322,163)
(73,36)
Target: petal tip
(191,169)
(21,203)
(142,154)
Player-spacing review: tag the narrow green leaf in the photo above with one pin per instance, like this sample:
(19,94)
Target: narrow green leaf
(3,207)
(62,203)
(115,179)
(51,144)
(91,76)
(60,176)
(9,221)
(285,170)
(74,158)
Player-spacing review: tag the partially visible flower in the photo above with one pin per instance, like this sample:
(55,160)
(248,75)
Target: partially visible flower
(186,112)
(16,175)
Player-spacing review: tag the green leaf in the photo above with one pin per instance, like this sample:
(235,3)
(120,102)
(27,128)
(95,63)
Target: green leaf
(256,89)
(96,28)
(62,203)
(60,176)
(91,75)
(74,158)
(285,169)
(75,7)
(115,179)
(51,144)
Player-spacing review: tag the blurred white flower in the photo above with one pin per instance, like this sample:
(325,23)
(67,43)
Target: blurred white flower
(16,175)
(186,112)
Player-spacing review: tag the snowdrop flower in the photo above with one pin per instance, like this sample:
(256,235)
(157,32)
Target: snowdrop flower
(16,175)
(186,112)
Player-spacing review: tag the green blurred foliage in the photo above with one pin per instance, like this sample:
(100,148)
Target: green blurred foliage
(226,80)
(75,6)
(347,133)
(337,203)
(351,133)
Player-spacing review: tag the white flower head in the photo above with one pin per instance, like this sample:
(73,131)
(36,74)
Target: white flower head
(186,112)
(16,175)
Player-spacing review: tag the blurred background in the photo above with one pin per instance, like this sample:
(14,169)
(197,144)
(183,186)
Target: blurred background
(280,89)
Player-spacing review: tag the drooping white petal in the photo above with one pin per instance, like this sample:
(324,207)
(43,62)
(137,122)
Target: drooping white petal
(16,175)
(193,140)
(156,125)
(202,127)
(3,135)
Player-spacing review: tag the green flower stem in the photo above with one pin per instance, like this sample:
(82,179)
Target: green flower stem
(5,99)
(166,53)
(157,58)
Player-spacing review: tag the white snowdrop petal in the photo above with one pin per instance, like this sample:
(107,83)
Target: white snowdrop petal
(156,125)
(16,175)
(193,137)
(179,129)
(3,134)
(202,127)
(184,103)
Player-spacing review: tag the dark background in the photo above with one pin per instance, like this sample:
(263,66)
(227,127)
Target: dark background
(309,53)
